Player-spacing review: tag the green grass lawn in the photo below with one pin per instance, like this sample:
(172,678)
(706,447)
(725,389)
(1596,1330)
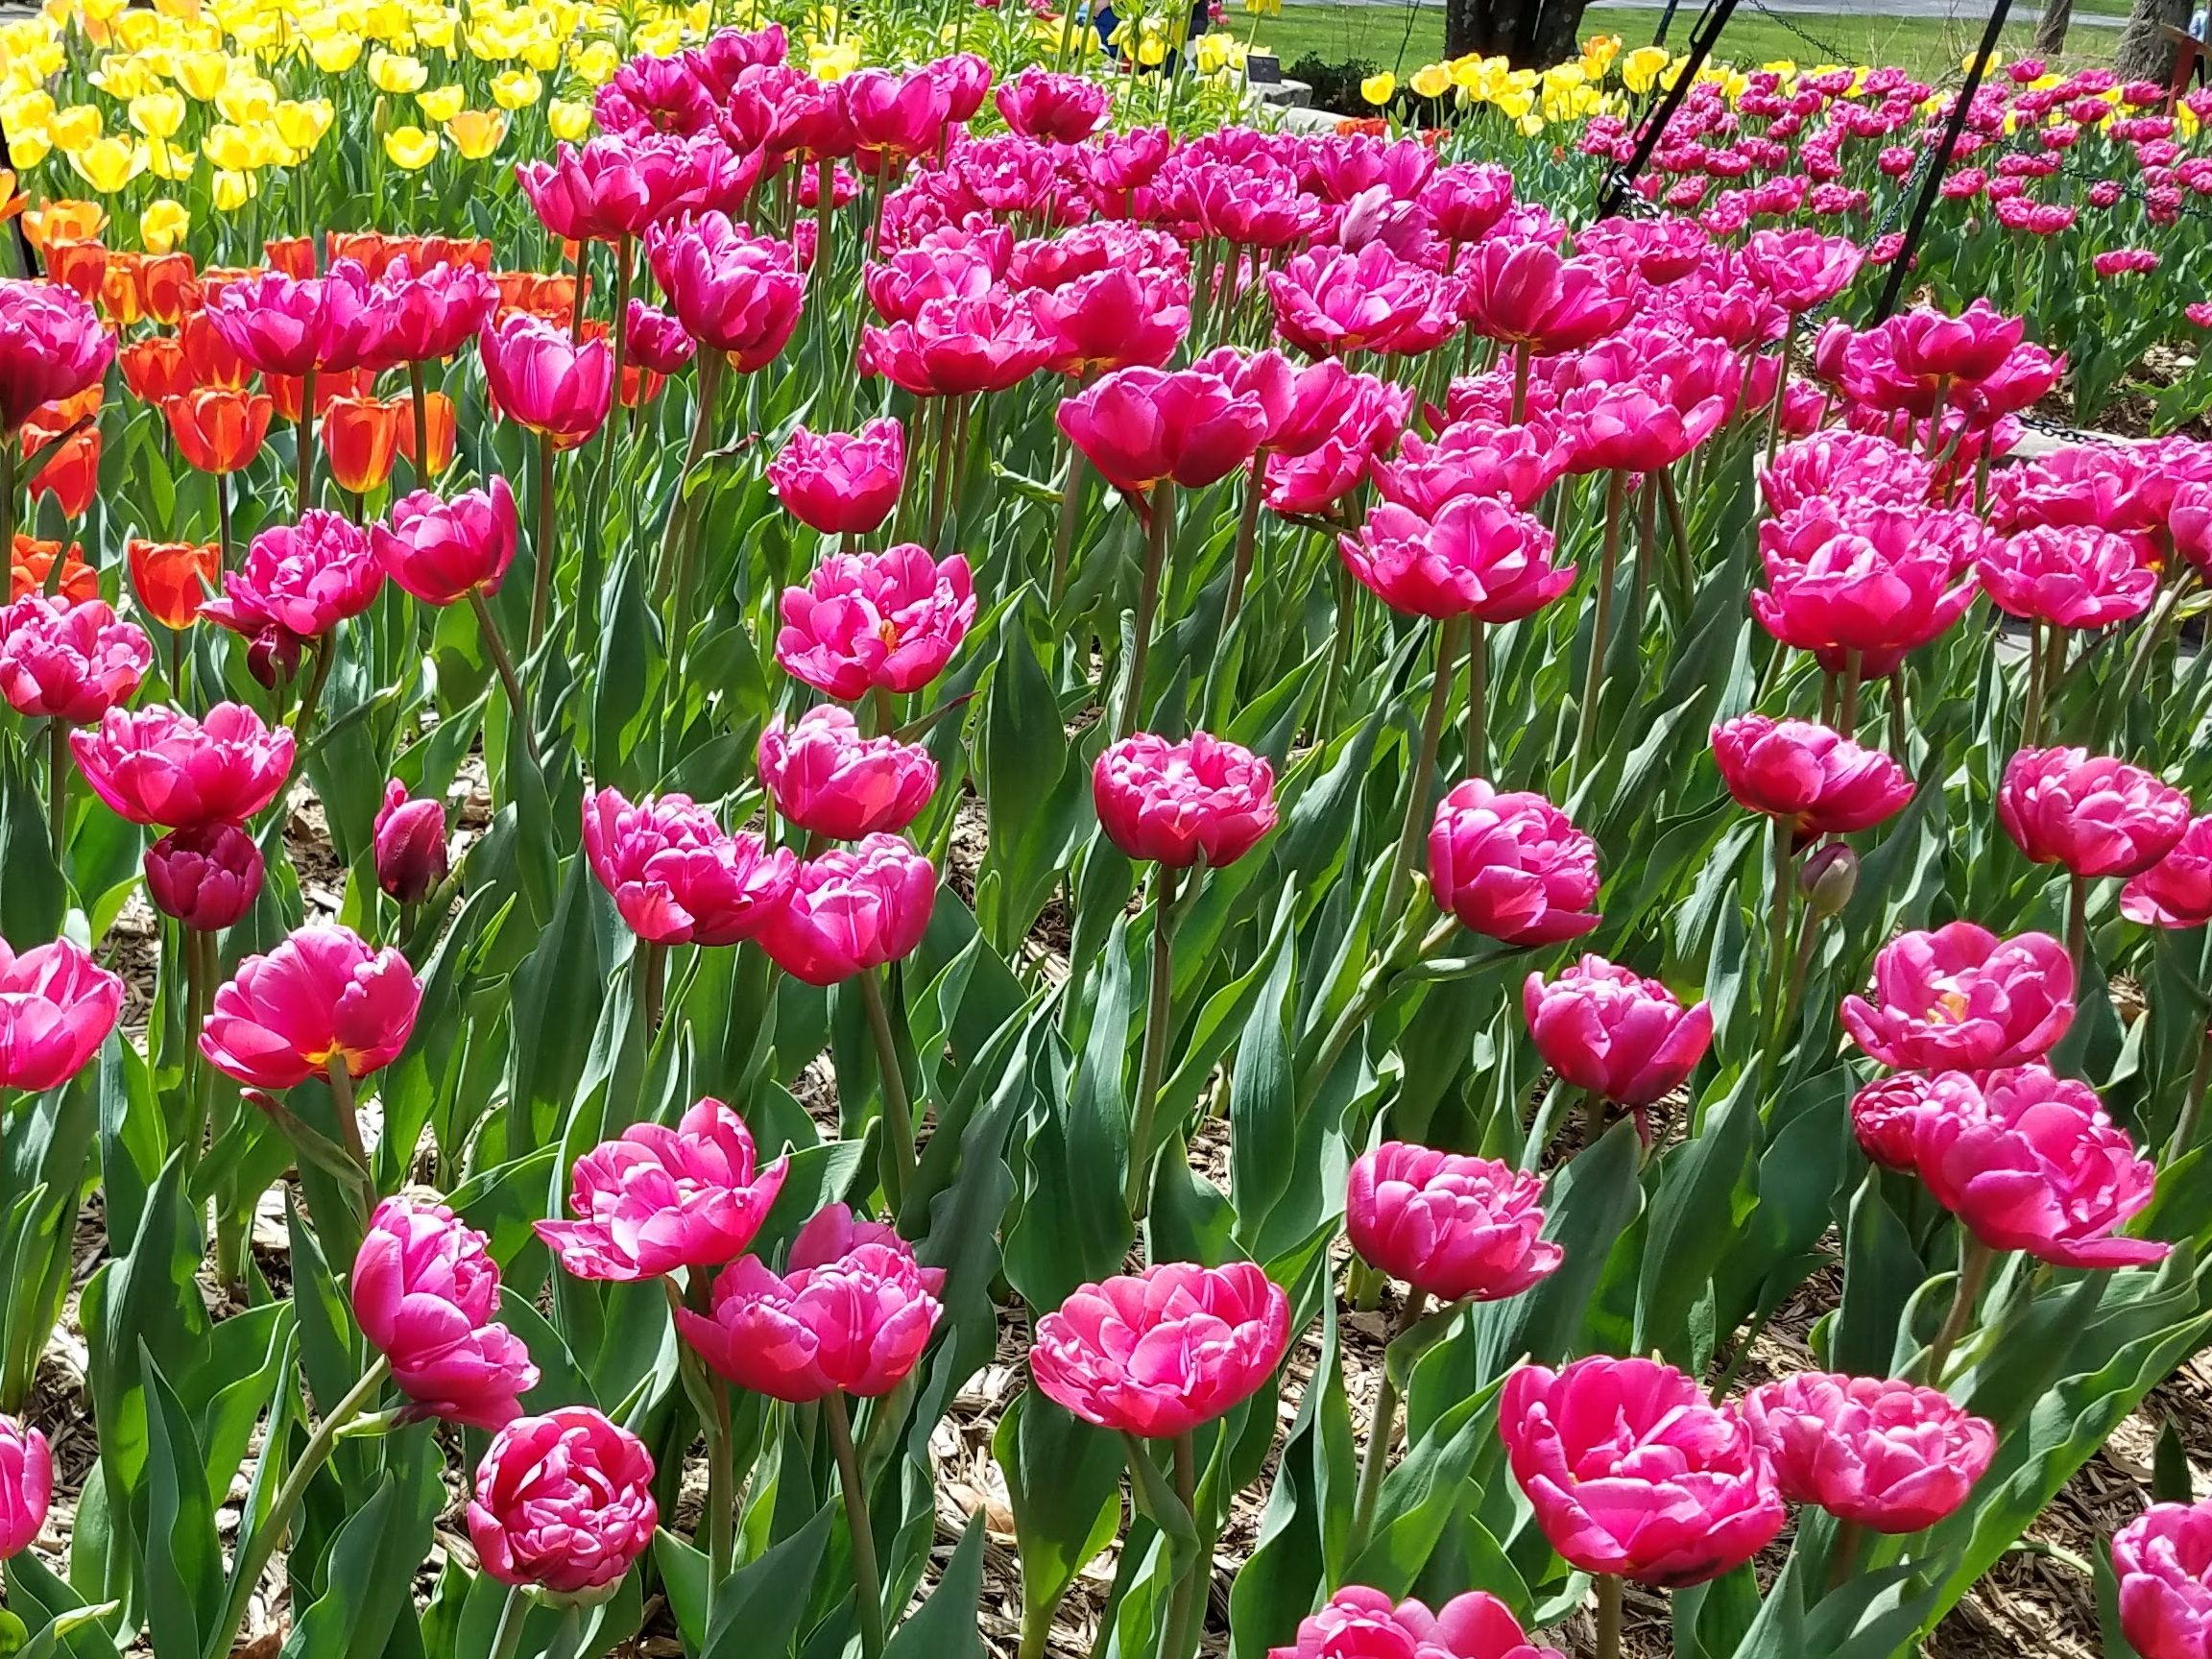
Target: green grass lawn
(1404,37)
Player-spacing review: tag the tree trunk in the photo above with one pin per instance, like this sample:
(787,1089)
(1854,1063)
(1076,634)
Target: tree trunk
(2051,26)
(2145,54)
(1531,34)
(1557,34)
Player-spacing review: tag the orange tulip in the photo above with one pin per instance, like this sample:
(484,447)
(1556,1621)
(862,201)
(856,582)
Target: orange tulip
(551,297)
(167,286)
(119,287)
(72,475)
(208,357)
(293,255)
(217,277)
(437,417)
(29,560)
(218,428)
(12,200)
(372,248)
(153,368)
(79,265)
(361,436)
(52,419)
(329,386)
(172,578)
(66,219)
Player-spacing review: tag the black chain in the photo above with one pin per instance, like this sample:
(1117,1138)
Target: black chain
(1829,52)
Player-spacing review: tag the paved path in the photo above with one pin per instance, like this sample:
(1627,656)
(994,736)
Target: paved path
(1848,12)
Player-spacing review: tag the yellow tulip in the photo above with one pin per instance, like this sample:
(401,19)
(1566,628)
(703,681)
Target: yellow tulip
(138,30)
(27,149)
(99,11)
(542,53)
(832,59)
(1151,50)
(157,114)
(202,74)
(411,148)
(300,123)
(664,38)
(477,132)
(233,148)
(1640,69)
(390,72)
(167,161)
(27,112)
(443,103)
(1431,81)
(231,191)
(108,164)
(1378,89)
(162,224)
(336,52)
(438,32)
(595,64)
(1531,126)
(516,88)
(72,129)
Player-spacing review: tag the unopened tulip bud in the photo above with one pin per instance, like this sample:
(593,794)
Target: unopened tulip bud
(206,875)
(1829,878)
(410,843)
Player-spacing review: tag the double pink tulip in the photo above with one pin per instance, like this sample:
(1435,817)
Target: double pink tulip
(427,316)
(299,581)
(2176,891)
(732,291)
(851,1313)
(657,1198)
(424,1288)
(868,621)
(2163,1560)
(852,909)
(1178,803)
(52,347)
(1882,1453)
(564,1503)
(1458,1228)
(1358,1623)
(57,1007)
(1475,457)
(1477,557)
(1051,108)
(1885,1114)
(547,381)
(1961,998)
(162,766)
(26,1485)
(1604,1028)
(1512,866)
(323,996)
(1526,293)
(838,483)
(2095,815)
(1141,426)
(295,326)
(614,186)
(1158,1353)
(1329,303)
(960,347)
(441,551)
(69,663)
(1815,779)
(1631,1471)
(1838,463)
(830,780)
(1868,577)
(205,877)
(2075,577)
(1801,270)
(677,876)
(408,844)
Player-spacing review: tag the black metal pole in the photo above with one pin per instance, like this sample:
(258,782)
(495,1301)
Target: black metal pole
(1666,22)
(1893,289)
(22,236)
(1710,23)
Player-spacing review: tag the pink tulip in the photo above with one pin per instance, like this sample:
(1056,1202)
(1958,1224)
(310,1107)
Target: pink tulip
(161,766)
(207,876)
(1477,557)
(56,1007)
(299,581)
(1641,426)
(1463,200)
(1527,294)
(654,340)
(1144,426)
(2076,577)
(1960,998)
(1885,1114)
(732,291)
(564,1503)
(960,347)
(26,1485)
(943,263)
(322,996)
(1361,1623)
(677,876)
(1882,1453)
(1632,1472)
(1854,465)
(430,315)
(441,551)
(2176,891)
(1817,780)
(68,663)
(1512,866)
(1969,347)
(408,842)
(614,186)
(1475,457)
(852,909)
(544,379)
(867,621)
(1801,270)
(659,1199)
(851,1313)
(1118,317)
(1603,1028)
(1329,303)
(1158,1353)
(1051,108)
(295,326)
(2096,816)
(424,1288)
(2163,1560)
(830,780)
(1460,1229)
(52,347)
(1307,407)
(2040,1168)
(1865,576)
(841,484)
(895,117)
(1181,804)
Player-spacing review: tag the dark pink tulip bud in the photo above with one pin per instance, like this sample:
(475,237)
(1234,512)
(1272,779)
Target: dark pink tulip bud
(68,663)
(1883,1453)
(207,876)
(1477,557)
(325,994)
(2163,1560)
(1361,1623)
(1631,1471)
(1828,879)
(1604,1028)
(57,1007)
(410,845)
(1176,804)
(852,909)
(564,1503)
(2095,815)
(26,1485)
(424,1288)
(828,780)
(841,484)
(1961,998)
(1460,1229)
(1156,1353)
(1512,866)
(654,340)
(2176,891)
(1819,781)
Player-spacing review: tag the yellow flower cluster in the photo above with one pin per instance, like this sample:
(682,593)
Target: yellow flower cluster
(1531,99)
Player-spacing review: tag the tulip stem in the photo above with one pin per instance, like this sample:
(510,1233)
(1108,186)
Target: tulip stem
(676,544)
(1593,1118)
(496,646)
(221,522)
(1070,510)
(1187,1609)
(2146,646)
(1424,765)
(1520,365)
(1781,389)
(1478,698)
(1381,1430)
(1899,738)
(341,1104)
(541,549)
(1778,932)
(867,1582)
(1600,624)
(514,1613)
(1847,717)
(419,394)
(2078,924)
(1975,1260)
(8,488)
(1608,1616)
(1843,1553)
(652,985)
(619,338)
(1159,530)
(1247,538)
(58,789)
(897,1109)
(304,462)
(1152,1066)
(255,1549)
(2193,1103)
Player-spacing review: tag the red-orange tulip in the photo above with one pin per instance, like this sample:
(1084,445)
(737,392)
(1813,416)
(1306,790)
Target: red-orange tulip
(119,284)
(208,356)
(293,255)
(29,560)
(153,368)
(218,428)
(329,386)
(168,286)
(437,417)
(79,266)
(171,577)
(361,437)
(72,475)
